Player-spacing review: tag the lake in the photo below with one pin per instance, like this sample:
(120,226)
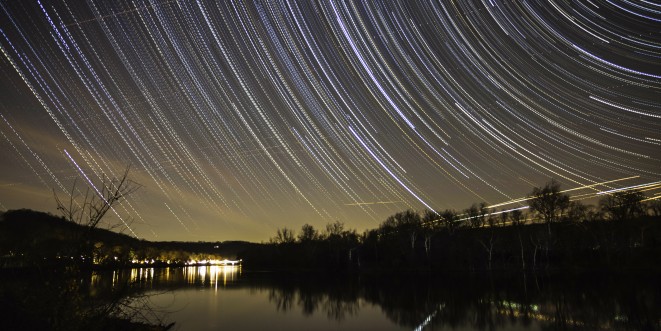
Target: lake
(229,298)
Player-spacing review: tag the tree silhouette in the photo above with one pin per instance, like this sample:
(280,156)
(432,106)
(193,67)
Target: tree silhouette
(308,233)
(548,202)
(577,211)
(623,205)
(430,224)
(473,215)
(334,230)
(283,236)
(409,222)
(504,217)
(517,218)
(449,218)
(97,200)
(89,209)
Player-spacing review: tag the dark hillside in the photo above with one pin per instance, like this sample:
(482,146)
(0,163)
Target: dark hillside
(30,237)
(29,225)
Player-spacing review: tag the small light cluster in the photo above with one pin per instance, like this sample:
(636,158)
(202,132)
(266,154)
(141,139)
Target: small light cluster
(213,262)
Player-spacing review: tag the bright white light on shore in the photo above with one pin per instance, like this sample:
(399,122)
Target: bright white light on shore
(214,262)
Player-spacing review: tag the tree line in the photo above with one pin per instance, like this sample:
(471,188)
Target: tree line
(548,231)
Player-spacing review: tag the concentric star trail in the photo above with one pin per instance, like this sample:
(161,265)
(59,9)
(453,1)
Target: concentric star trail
(241,117)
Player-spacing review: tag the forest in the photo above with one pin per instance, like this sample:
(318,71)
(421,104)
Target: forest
(550,232)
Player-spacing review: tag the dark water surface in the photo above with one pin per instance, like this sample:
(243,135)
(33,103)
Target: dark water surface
(228,298)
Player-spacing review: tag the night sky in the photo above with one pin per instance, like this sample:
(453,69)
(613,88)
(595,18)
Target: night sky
(240,118)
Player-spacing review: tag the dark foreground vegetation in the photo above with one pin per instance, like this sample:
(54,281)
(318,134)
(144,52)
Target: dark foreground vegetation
(60,299)
(43,259)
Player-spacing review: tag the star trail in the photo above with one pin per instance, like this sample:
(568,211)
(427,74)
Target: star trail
(241,117)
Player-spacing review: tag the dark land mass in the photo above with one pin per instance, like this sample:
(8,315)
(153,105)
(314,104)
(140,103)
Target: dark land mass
(43,259)
(30,238)
(558,247)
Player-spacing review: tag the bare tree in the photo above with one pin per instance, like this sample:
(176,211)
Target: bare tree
(284,236)
(449,218)
(89,209)
(487,244)
(473,216)
(504,217)
(548,202)
(517,217)
(334,230)
(577,211)
(517,221)
(483,213)
(308,233)
(409,221)
(431,221)
(623,205)
(96,201)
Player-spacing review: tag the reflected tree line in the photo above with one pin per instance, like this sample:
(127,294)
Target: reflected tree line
(433,301)
(545,301)
(550,232)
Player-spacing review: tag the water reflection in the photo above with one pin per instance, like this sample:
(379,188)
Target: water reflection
(211,275)
(413,302)
(142,275)
(207,275)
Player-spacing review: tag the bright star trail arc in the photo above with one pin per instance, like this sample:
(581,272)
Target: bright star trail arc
(241,117)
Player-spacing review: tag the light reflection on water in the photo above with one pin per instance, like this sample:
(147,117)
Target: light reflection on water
(207,275)
(211,275)
(225,297)
(141,275)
